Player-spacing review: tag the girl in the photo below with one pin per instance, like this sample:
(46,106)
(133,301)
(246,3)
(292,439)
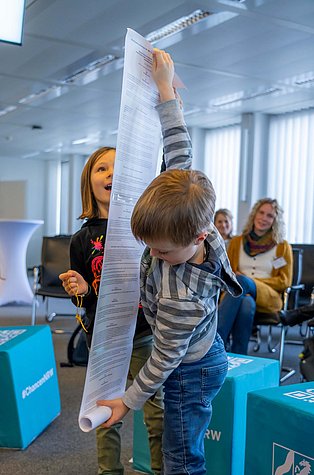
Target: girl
(82,283)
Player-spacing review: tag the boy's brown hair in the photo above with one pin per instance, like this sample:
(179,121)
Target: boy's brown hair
(177,206)
(89,204)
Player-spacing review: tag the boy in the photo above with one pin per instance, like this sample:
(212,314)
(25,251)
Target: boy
(183,269)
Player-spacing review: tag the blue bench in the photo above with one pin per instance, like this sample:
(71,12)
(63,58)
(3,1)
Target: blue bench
(225,438)
(280,431)
(29,390)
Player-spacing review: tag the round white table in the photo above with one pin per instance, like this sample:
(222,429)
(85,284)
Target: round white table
(14,238)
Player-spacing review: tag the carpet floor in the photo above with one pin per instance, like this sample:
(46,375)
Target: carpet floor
(63,449)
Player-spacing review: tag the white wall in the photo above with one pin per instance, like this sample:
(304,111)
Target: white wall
(33,172)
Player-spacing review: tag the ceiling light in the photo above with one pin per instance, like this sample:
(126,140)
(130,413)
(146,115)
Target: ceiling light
(306,81)
(31,155)
(43,95)
(80,141)
(90,139)
(11,21)
(7,109)
(177,25)
(90,72)
(239,97)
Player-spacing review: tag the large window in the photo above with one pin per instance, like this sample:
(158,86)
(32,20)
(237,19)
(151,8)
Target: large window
(291,172)
(222,162)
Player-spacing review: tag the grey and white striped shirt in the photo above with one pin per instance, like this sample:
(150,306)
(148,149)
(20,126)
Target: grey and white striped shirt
(179,301)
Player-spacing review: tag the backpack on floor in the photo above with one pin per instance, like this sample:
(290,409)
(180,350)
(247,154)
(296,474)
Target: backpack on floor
(77,349)
(307,359)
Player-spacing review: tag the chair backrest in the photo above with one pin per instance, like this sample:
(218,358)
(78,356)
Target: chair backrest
(273,318)
(55,259)
(297,265)
(307,271)
(296,275)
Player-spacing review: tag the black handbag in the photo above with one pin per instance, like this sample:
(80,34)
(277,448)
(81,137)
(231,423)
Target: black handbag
(307,359)
(77,349)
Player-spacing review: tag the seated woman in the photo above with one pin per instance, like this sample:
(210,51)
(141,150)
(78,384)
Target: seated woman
(223,220)
(262,260)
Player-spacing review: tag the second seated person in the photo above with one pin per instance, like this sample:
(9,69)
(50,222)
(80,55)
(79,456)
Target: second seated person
(262,260)
(223,220)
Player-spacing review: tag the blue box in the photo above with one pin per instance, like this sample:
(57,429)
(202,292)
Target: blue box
(280,431)
(225,438)
(141,453)
(29,391)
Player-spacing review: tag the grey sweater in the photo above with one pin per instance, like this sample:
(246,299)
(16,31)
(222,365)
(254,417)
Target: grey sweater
(179,301)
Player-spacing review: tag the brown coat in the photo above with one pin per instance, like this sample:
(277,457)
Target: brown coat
(269,291)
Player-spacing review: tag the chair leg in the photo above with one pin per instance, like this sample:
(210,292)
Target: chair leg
(289,371)
(257,345)
(271,349)
(34,305)
(51,316)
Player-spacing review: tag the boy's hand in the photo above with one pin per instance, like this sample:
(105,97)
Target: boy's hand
(163,73)
(73,283)
(119,410)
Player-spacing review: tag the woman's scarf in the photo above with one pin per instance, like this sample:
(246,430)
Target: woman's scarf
(254,244)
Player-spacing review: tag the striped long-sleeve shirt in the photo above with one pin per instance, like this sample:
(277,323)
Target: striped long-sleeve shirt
(179,301)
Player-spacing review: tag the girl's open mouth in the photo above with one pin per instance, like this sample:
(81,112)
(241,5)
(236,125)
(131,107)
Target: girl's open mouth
(108,187)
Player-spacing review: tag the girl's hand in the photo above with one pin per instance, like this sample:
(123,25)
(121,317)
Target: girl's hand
(163,73)
(73,283)
(119,410)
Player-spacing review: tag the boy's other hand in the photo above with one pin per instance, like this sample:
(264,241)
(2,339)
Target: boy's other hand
(163,73)
(119,410)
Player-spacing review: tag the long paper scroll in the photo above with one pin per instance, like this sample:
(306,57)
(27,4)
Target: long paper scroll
(135,166)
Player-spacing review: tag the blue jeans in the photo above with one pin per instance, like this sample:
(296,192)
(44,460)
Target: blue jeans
(188,395)
(236,315)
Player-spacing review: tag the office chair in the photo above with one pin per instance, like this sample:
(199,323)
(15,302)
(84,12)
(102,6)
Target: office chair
(55,259)
(290,300)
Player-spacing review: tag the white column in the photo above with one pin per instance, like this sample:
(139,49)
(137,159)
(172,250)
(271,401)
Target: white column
(253,163)
(198,144)
(52,205)
(76,163)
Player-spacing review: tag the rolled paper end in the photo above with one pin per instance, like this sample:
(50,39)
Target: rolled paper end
(94,418)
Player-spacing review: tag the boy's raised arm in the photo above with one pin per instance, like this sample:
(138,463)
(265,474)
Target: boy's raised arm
(176,139)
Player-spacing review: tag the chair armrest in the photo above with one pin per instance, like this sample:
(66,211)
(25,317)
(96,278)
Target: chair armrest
(294,288)
(297,287)
(288,291)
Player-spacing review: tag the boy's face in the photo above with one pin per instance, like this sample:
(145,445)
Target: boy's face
(175,254)
(101,178)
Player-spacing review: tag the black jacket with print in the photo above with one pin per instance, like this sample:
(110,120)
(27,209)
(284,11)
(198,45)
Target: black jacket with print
(86,255)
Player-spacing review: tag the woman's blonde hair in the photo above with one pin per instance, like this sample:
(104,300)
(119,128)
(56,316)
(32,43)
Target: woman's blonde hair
(278,227)
(89,204)
(178,205)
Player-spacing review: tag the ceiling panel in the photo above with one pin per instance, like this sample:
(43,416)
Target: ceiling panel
(242,49)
